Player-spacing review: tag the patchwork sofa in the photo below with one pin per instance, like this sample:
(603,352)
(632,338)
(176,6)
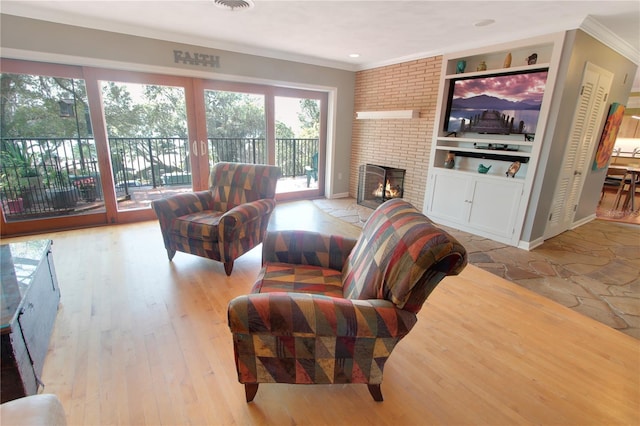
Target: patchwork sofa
(328,309)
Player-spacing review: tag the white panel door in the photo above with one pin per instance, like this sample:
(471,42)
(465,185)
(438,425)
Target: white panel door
(596,83)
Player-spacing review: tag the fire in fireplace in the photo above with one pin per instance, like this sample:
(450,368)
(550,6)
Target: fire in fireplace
(377,184)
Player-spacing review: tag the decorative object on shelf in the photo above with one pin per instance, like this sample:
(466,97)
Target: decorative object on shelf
(513,169)
(531,60)
(483,169)
(609,135)
(482,66)
(450,161)
(529,137)
(460,66)
(507,60)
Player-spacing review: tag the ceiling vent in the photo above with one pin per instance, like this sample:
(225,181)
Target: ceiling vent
(234,4)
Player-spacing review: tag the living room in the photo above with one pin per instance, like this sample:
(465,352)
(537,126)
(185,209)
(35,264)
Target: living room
(160,352)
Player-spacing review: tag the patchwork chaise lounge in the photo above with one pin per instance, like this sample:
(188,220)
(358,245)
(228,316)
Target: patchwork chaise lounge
(224,222)
(328,309)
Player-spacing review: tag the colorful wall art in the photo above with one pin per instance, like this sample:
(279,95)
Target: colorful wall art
(609,135)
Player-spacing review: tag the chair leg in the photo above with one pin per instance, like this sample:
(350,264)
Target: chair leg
(375,392)
(250,390)
(171,253)
(228,267)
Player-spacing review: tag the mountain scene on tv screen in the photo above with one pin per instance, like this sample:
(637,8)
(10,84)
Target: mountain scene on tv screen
(502,104)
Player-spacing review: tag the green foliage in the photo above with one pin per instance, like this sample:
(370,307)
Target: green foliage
(30,106)
(309,118)
(234,115)
(283,131)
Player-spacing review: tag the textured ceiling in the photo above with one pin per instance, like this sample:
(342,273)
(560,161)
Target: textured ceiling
(326,32)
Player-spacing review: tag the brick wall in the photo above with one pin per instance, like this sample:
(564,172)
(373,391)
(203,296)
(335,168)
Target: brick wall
(400,143)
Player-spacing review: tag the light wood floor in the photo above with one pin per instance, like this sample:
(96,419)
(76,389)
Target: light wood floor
(141,340)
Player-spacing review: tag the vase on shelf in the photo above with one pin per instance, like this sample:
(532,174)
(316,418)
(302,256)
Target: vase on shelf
(460,66)
(482,66)
(513,169)
(531,60)
(483,169)
(507,60)
(450,161)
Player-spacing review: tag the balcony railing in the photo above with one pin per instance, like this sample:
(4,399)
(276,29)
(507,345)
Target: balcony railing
(42,177)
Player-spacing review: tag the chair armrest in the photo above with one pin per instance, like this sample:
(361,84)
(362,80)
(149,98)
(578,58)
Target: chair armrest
(312,315)
(307,248)
(181,204)
(169,208)
(239,216)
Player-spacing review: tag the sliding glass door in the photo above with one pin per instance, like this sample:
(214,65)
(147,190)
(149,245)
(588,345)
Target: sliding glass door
(49,164)
(85,146)
(148,141)
(297,144)
(266,125)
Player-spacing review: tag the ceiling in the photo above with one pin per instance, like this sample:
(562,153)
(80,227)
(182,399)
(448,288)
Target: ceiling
(326,32)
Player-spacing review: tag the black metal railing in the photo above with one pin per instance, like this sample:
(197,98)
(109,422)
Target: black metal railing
(41,177)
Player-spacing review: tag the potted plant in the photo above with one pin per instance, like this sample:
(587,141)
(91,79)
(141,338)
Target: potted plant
(32,186)
(87,188)
(12,201)
(61,193)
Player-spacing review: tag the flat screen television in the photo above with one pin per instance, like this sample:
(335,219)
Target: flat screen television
(502,104)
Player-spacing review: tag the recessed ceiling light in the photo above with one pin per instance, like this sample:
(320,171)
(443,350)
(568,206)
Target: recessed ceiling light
(354,55)
(484,22)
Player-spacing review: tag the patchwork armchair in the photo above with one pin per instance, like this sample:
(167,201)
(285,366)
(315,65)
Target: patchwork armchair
(224,222)
(328,309)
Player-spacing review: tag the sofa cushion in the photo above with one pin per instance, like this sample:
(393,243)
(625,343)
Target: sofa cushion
(397,247)
(202,225)
(285,277)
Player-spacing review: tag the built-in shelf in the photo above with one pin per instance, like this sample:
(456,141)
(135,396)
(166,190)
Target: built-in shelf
(491,155)
(381,115)
(494,204)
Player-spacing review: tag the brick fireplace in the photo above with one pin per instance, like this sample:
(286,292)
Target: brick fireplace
(377,184)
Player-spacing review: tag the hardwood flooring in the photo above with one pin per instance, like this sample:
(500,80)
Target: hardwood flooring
(140,340)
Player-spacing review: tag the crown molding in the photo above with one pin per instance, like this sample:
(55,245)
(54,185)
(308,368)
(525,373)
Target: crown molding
(595,29)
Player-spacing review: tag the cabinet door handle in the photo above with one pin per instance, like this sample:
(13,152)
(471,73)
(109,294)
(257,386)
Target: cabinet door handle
(194,148)
(203,147)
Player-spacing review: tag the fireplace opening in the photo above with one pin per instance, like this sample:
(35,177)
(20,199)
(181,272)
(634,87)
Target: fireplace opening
(377,184)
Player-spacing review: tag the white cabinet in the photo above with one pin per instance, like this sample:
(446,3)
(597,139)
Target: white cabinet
(493,107)
(487,204)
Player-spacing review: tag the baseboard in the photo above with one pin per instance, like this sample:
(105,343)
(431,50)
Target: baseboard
(530,245)
(581,222)
(340,195)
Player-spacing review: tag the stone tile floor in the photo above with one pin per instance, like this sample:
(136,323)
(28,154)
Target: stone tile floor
(593,269)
